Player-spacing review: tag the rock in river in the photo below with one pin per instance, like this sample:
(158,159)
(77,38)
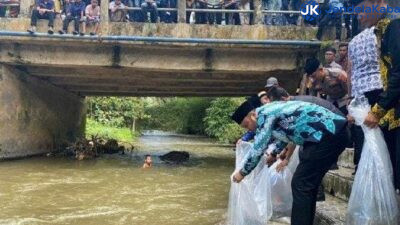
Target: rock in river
(176,157)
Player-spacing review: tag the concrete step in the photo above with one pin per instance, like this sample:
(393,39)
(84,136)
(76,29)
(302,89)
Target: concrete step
(346,158)
(338,183)
(331,212)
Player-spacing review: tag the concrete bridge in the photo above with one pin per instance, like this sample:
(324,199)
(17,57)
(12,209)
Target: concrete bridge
(44,79)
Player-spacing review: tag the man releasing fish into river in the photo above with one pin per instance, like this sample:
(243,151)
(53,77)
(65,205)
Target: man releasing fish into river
(321,132)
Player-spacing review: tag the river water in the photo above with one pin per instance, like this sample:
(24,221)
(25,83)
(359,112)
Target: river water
(113,189)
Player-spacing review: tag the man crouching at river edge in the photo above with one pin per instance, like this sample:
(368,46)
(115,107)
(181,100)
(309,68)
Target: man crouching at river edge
(322,134)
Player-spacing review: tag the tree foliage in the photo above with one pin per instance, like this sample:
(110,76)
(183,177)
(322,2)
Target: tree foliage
(182,115)
(218,121)
(115,111)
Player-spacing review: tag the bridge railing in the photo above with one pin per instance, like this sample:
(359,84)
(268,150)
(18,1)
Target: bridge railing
(259,12)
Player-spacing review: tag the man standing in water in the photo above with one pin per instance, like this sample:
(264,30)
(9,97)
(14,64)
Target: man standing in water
(148,162)
(321,132)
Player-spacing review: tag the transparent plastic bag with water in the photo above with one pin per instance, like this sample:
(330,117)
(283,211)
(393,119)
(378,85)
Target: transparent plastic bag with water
(373,198)
(250,200)
(281,189)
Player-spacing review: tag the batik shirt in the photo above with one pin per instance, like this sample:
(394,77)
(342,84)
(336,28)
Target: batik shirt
(292,121)
(365,71)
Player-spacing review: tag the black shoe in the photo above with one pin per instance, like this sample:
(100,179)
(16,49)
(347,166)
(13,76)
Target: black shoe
(82,34)
(320,196)
(62,32)
(92,33)
(334,167)
(50,30)
(75,33)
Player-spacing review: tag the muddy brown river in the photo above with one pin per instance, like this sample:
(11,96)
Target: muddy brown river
(113,189)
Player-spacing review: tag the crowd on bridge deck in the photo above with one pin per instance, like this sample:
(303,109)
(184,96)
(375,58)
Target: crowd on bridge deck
(367,67)
(88,12)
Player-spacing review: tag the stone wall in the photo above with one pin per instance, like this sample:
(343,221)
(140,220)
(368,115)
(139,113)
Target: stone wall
(179,30)
(36,116)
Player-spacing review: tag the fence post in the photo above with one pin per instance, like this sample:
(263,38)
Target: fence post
(25,8)
(104,10)
(258,15)
(181,11)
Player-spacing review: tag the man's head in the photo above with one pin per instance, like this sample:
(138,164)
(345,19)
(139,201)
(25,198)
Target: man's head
(94,3)
(370,18)
(278,94)
(245,115)
(118,2)
(330,55)
(148,160)
(313,69)
(272,81)
(263,97)
(343,50)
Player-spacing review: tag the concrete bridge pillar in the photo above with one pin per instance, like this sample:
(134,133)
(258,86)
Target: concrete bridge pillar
(35,116)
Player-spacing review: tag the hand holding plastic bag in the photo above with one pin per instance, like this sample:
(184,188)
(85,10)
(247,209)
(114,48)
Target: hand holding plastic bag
(373,199)
(250,200)
(281,189)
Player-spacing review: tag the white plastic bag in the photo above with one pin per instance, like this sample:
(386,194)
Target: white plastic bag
(294,160)
(281,189)
(250,200)
(373,198)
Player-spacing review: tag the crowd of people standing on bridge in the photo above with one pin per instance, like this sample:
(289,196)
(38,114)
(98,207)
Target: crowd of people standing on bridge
(88,12)
(318,120)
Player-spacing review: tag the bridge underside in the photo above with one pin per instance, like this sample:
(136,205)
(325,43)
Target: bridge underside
(90,67)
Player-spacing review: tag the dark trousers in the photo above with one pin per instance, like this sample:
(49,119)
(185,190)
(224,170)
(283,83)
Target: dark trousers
(3,10)
(214,17)
(48,16)
(326,21)
(68,19)
(350,20)
(315,161)
(232,18)
(392,138)
(152,8)
(357,136)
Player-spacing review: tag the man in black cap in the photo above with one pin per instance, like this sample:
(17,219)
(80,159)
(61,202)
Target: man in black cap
(321,132)
(329,83)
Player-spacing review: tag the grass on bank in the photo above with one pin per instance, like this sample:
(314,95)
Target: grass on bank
(107,132)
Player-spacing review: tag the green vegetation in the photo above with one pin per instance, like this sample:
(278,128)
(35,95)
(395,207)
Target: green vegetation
(94,128)
(181,115)
(111,117)
(218,121)
(116,112)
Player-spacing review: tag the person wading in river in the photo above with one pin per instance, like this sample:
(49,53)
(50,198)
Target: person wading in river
(321,132)
(148,162)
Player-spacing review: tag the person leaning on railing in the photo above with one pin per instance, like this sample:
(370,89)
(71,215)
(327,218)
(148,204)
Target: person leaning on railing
(117,11)
(232,18)
(44,10)
(149,6)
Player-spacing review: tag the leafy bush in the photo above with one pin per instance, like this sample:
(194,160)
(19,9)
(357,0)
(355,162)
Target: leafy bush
(114,111)
(94,128)
(182,115)
(218,121)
